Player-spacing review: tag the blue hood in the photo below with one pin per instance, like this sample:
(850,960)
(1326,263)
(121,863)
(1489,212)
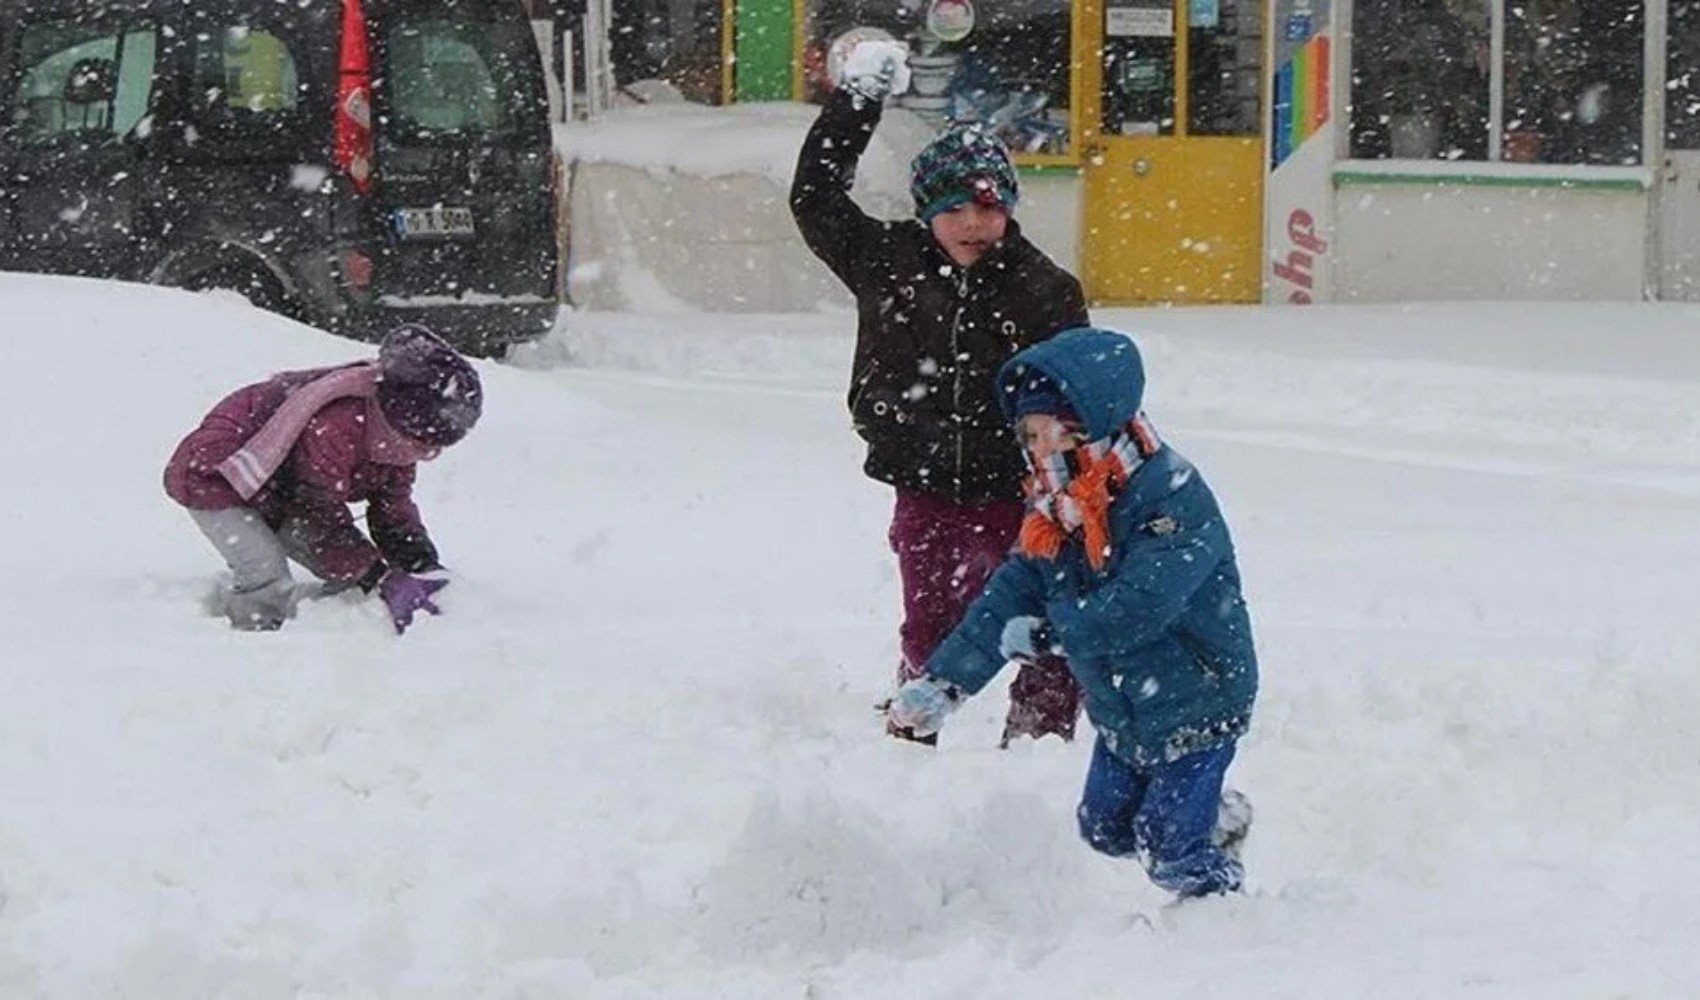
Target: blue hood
(1099,371)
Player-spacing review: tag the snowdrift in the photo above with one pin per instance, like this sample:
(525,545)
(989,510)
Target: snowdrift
(636,756)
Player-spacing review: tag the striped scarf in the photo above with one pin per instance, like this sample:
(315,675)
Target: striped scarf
(1072,490)
(252,465)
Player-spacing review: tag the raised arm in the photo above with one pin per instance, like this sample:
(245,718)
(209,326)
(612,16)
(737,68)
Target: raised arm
(834,226)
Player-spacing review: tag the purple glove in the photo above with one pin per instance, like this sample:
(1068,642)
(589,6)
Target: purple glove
(406,595)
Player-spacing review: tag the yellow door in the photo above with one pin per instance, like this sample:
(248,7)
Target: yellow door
(1174,151)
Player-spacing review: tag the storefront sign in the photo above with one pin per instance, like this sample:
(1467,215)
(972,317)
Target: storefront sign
(1140,22)
(1303,69)
(1299,194)
(1295,262)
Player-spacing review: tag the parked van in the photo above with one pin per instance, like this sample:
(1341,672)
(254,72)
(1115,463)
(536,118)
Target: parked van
(353,163)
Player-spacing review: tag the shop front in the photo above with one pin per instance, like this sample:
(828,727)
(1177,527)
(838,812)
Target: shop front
(1143,169)
(1504,149)
(1195,151)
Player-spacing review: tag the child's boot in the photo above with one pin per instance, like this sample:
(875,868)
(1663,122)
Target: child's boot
(1233,823)
(904,732)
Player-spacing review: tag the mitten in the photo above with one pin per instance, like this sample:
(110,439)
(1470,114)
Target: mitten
(921,705)
(1026,638)
(406,595)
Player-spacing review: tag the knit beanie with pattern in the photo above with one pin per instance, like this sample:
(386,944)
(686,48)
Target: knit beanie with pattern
(965,163)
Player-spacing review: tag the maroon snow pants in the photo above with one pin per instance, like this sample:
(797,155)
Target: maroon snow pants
(946,552)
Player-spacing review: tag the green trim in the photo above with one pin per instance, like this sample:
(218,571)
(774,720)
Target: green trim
(1347,178)
(1049,170)
(763,49)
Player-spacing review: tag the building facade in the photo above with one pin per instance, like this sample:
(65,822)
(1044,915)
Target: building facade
(1291,151)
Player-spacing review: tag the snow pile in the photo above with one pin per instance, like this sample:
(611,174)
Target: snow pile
(760,139)
(637,757)
(680,208)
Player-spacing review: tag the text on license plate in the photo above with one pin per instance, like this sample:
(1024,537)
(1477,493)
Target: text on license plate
(439,220)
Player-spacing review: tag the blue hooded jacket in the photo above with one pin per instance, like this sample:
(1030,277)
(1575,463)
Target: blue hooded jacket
(1160,639)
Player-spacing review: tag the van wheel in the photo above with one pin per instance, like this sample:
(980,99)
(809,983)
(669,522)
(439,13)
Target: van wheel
(253,284)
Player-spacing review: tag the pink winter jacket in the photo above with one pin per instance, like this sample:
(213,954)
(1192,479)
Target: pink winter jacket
(327,469)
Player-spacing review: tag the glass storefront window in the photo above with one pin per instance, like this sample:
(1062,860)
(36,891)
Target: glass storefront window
(1224,67)
(1012,70)
(1573,81)
(1420,79)
(1015,74)
(1682,83)
(1139,68)
(673,40)
(1568,76)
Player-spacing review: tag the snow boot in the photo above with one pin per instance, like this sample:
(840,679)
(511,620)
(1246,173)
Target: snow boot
(904,732)
(1233,823)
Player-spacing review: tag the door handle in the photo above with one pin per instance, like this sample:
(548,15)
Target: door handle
(1141,167)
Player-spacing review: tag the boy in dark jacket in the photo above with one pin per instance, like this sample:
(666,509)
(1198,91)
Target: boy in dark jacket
(942,301)
(1126,563)
(270,472)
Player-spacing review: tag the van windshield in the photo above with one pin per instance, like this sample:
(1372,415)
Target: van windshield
(457,79)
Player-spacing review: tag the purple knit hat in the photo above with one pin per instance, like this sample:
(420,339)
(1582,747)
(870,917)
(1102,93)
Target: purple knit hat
(426,390)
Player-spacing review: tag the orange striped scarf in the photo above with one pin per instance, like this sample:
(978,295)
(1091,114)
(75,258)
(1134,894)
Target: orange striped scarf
(1073,490)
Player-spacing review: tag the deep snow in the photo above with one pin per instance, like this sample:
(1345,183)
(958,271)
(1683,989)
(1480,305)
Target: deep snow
(637,757)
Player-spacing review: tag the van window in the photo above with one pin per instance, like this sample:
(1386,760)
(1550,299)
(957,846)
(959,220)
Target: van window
(246,72)
(452,78)
(247,95)
(82,80)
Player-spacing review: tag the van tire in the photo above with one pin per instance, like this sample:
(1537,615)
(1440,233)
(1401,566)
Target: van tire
(254,284)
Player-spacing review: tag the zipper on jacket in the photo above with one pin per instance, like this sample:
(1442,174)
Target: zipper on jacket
(956,361)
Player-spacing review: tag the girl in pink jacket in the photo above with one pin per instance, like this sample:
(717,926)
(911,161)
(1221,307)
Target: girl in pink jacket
(269,475)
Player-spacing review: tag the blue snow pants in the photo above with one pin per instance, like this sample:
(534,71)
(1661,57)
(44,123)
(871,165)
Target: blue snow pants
(1166,813)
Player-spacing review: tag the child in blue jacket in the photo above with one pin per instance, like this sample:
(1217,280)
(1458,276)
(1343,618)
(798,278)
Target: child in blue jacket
(1124,562)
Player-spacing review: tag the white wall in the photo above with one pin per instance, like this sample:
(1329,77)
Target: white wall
(663,241)
(678,206)
(1437,241)
(1050,213)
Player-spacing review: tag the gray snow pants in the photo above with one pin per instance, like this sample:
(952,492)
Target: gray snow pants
(262,592)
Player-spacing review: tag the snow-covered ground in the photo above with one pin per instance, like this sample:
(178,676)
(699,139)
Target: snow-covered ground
(637,757)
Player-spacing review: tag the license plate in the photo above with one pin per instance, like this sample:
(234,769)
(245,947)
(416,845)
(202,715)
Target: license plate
(439,220)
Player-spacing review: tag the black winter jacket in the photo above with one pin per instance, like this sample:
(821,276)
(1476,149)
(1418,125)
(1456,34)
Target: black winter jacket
(930,335)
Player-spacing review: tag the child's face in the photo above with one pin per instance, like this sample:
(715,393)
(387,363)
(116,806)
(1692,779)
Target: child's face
(970,229)
(1044,435)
